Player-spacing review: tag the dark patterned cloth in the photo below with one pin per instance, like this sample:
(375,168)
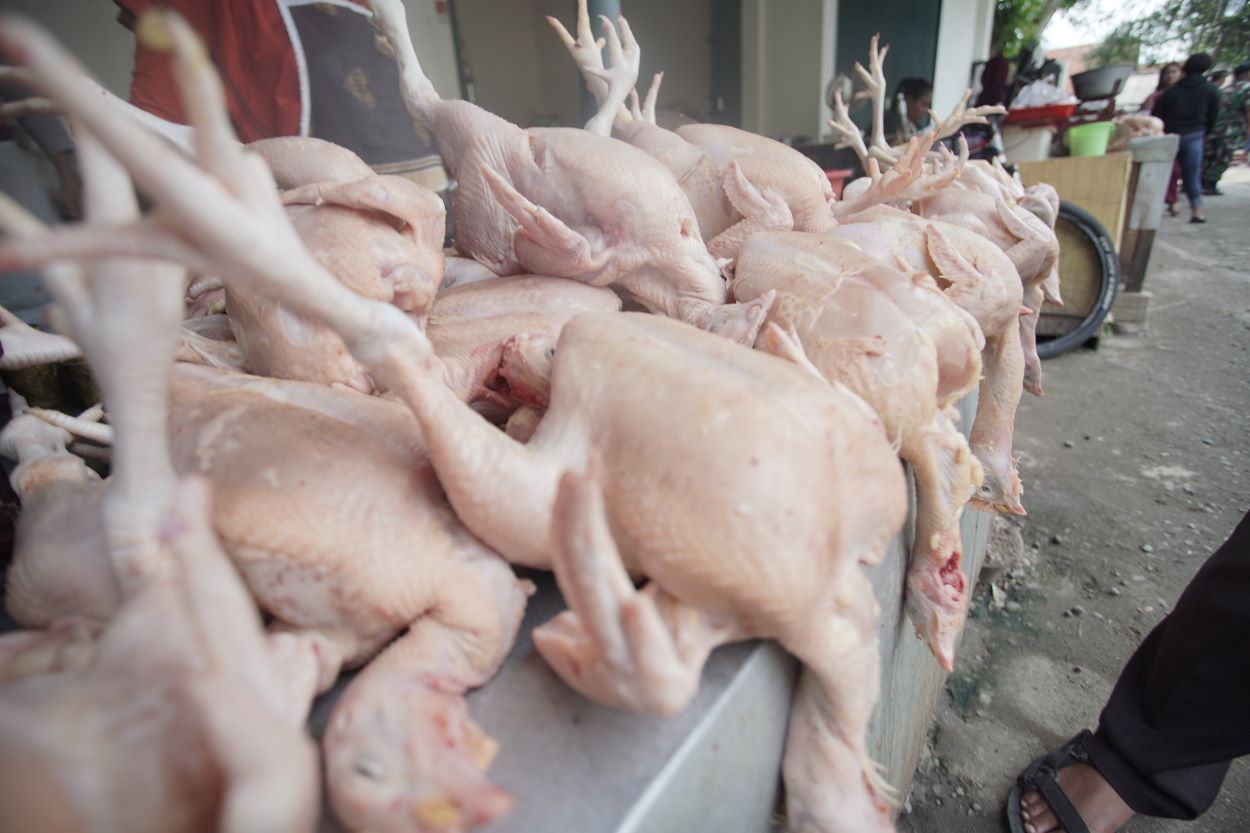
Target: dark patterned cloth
(1228,135)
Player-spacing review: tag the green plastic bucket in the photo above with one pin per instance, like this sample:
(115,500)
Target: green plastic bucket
(1089,139)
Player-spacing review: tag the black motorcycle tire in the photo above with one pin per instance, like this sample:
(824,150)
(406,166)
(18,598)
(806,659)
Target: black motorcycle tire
(1096,237)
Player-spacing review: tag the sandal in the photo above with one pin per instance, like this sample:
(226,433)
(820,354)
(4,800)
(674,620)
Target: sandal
(1042,775)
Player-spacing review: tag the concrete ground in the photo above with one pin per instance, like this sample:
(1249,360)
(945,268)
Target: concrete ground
(1136,466)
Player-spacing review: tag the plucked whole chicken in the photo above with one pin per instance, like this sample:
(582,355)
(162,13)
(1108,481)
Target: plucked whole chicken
(339,467)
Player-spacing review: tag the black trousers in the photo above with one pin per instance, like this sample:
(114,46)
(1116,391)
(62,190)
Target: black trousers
(1180,711)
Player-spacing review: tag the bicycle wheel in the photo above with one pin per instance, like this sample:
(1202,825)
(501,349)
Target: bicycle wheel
(1096,254)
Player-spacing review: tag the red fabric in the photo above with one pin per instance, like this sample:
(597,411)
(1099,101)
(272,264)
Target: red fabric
(248,42)
(995,82)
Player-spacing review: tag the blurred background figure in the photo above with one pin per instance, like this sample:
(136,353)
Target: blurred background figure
(1231,129)
(1169,74)
(908,112)
(1189,109)
(37,161)
(995,80)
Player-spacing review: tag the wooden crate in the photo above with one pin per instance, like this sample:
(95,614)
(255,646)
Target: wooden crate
(1098,184)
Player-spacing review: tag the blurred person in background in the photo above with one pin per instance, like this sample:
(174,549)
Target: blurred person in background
(1169,74)
(995,80)
(1231,129)
(909,112)
(1189,109)
(37,162)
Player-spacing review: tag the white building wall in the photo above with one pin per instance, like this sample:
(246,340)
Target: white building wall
(786,51)
(963,37)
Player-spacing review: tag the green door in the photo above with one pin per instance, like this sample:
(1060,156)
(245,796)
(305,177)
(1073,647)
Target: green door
(910,27)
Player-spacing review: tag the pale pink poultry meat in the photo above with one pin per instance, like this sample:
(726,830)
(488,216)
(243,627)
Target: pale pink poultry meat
(367,549)
(181,686)
(818,490)
(698,543)
(304,160)
(738,182)
(1023,237)
(568,203)
(180,689)
(981,280)
(400,738)
(340,568)
(610,480)
(983,199)
(854,317)
(1041,200)
(468,326)
(382,236)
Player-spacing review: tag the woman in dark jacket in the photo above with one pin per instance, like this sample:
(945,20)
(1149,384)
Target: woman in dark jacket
(1189,110)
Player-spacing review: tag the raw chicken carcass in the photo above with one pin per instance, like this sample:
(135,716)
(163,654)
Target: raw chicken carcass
(1133,126)
(868,326)
(344,551)
(738,182)
(981,280)
(400,738)
(698,543)
(1023,237)
(721,565)
(568,203)
(181,686)
(329,508)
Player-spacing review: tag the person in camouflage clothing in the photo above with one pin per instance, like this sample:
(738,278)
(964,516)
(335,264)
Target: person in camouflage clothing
(1230,129)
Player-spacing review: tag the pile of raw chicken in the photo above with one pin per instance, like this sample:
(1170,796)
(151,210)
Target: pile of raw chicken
(331,441)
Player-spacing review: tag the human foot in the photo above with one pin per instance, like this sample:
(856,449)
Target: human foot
(1095,801)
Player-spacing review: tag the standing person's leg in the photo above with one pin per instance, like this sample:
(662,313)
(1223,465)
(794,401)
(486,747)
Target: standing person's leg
(1177,716)
(1190,156)
(1174,180)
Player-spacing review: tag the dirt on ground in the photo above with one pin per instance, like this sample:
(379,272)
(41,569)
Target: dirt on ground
(1136,465)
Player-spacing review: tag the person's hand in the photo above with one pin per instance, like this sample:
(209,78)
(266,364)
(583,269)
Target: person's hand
(70,194)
